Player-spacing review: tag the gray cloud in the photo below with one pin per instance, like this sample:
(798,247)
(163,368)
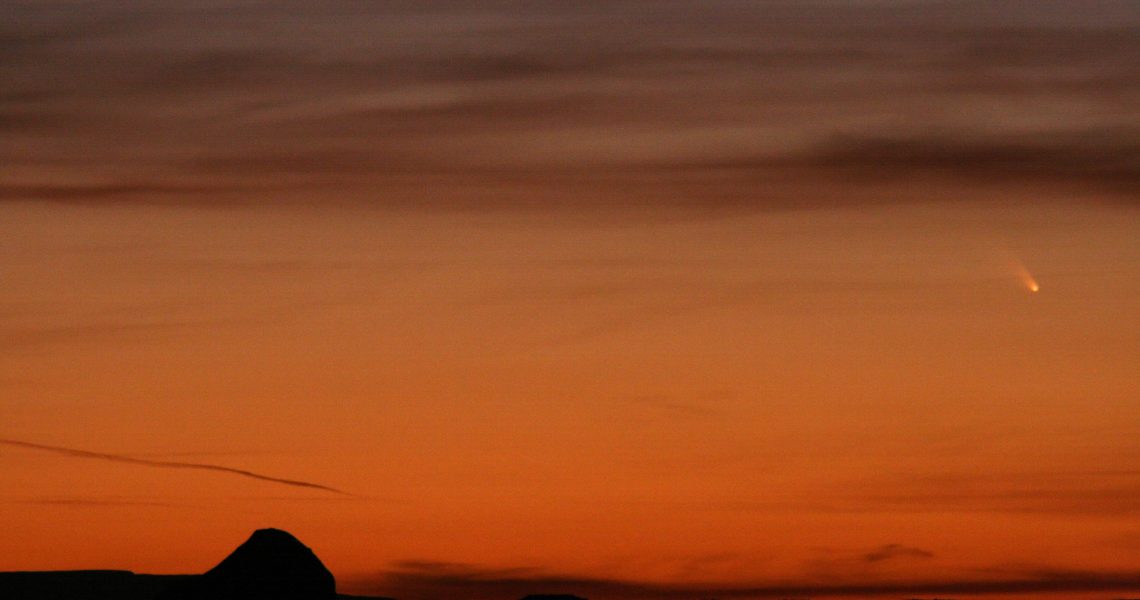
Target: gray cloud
(164,464)
(685,104)
(1107,158)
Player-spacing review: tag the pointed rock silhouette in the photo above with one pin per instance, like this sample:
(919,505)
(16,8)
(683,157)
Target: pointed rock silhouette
(270,565)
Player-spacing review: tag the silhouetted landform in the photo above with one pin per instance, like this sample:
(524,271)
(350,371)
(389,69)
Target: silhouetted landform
(85,585)
(270,565)
(274,564)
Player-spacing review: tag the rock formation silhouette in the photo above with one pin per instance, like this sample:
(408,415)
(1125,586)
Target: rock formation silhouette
(270,565)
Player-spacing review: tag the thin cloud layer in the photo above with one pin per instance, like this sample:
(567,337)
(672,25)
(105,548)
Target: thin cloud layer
(165,464)
(547,95)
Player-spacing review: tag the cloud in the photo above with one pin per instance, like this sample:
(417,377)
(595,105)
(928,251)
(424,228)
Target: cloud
(893,551)
(20,339)
(695,105)
(415,580)
(845,169)
(1090,493)
(90,192)
(708,405)
(89,502)
(1109,158)
(1093,493)
(164,464)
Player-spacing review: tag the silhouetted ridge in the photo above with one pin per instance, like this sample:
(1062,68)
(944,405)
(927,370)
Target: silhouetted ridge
(270,565)
(85,585)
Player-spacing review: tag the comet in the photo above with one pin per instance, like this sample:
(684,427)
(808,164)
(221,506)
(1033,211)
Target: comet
(1025,276)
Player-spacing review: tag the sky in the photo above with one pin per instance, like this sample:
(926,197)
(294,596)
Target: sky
(627,299)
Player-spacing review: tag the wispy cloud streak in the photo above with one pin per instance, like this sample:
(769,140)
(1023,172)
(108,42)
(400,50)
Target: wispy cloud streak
(164,464)
(705,102)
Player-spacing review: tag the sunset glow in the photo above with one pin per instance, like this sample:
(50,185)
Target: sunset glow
(634,299)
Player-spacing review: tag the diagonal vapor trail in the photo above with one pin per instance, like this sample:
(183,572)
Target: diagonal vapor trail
(167,464)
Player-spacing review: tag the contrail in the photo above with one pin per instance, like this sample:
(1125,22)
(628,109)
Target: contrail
(168,464)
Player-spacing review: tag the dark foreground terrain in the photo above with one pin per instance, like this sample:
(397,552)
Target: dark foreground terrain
(271,565)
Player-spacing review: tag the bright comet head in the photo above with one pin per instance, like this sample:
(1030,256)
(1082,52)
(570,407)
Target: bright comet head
(1026,278)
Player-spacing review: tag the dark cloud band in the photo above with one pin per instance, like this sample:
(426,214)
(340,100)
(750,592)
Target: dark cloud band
(704,104)
(163,464)
(415,580)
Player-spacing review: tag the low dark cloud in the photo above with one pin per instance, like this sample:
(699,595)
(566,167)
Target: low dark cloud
(893,551)
(83,193)
(1104,161)
(165,464)
(1109,159)
(414,580)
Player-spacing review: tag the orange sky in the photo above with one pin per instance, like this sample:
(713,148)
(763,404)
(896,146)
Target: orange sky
(690,307)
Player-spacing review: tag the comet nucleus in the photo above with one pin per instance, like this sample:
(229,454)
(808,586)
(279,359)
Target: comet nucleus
(1025,276)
